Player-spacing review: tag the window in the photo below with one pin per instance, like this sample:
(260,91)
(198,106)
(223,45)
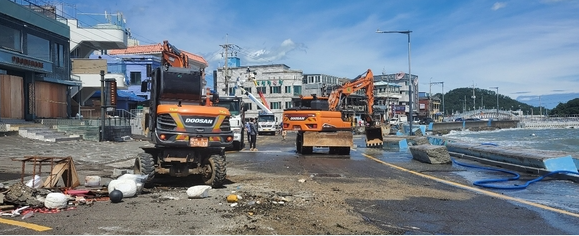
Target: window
(261,89)
(58,51)
(10,39)
(232,91)
(250,106)
(288,89)
(297,90)
(288,105)
(248,89)
(135,77)
(275,89)
(275,105)
(38,47)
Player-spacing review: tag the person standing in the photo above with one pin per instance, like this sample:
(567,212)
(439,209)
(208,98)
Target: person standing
(253,135)
(248,129)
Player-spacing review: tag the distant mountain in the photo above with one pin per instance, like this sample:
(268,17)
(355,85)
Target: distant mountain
(548,101)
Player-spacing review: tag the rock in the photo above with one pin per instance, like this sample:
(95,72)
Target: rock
(422,140)
(432,154)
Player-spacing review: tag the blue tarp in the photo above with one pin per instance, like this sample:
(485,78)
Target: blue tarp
(124,94)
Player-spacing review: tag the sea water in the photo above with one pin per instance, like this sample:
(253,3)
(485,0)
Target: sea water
(566,140)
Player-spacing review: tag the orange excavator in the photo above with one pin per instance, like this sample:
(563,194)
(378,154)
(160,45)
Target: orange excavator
(189,138)
(321,121)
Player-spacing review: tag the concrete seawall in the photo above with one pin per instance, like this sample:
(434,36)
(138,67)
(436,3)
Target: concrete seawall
(546,161)
(447,126)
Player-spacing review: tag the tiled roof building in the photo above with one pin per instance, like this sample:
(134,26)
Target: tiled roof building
(156,49)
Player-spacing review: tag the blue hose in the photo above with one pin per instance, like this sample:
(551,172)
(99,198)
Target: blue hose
(485,183)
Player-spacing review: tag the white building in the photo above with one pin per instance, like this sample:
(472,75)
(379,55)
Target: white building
(277,82)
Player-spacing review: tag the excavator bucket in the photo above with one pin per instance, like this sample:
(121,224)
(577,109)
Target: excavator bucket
(374,138)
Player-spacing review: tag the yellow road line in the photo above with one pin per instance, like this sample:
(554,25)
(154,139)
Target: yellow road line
(25,225)
(489,193)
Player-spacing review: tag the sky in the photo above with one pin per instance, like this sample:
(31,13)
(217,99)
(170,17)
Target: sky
(527,48)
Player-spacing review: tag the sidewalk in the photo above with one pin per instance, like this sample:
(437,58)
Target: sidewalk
(88,156)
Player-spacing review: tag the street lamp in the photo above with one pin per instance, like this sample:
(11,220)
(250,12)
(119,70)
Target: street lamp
(497,100)
(407,32)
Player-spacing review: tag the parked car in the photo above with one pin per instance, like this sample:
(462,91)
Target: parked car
(426,121)
(458,119)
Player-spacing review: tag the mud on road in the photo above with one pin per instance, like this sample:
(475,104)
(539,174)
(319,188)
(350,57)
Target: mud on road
(270,202)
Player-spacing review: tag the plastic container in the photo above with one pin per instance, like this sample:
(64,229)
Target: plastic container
(92,181)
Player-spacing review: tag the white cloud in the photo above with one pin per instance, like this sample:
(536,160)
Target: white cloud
(498,5)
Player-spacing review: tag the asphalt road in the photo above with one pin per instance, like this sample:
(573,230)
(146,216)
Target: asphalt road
(386,189)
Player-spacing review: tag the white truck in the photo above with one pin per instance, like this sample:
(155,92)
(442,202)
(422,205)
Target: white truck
(237,109)
(398,119)
(266,123)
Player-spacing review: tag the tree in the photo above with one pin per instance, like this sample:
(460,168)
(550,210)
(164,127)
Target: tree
(564,109)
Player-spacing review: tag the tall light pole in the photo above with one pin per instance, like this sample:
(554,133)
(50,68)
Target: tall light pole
(497,100)
(407,32)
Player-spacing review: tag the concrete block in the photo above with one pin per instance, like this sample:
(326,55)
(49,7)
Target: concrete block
(432,154)
(560,164)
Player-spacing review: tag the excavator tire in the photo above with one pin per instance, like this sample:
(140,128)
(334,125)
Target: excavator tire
(300,145)
(144,164)
(299,142)
(307,150)
(214,170)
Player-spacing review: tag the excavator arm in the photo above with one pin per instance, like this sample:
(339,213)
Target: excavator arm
(173,56)
(363,81)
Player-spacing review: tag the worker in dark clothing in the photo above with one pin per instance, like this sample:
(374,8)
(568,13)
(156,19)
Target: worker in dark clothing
(252,134)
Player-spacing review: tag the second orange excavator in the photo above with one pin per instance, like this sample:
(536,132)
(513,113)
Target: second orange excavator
(320,121)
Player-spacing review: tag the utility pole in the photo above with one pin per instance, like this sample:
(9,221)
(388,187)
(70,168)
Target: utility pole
(473,98)
(226,47)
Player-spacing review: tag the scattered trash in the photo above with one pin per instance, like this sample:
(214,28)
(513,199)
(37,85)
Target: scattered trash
(232,198)
(35,182)
(233,204)
(28,214)
(199,191)
(92,181)
(116,196)
(302,180)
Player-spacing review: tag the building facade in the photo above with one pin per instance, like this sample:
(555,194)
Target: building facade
(402,80)
(35,79)
(277,82)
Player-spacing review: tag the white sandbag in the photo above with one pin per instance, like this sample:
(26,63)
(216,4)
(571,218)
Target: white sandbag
(92,181)
(200,191)
(56,200)
(126,186)
(134,177)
